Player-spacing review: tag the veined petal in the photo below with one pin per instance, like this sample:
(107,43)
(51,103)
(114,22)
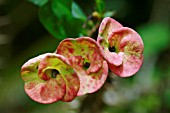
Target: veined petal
(86,58)
(131,45)
(54,66)
(38,89)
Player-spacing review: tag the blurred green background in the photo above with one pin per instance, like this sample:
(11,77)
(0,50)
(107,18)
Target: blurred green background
(32,27)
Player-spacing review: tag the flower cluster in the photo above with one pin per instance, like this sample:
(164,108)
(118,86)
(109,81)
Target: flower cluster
(80,66)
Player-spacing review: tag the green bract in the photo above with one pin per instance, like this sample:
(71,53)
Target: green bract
(49,78)
(85,56)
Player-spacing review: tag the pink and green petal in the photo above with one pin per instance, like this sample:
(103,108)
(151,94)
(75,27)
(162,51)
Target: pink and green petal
(93,82)
(37,88)
(129,43)
(85,56)
(113,58)
(107,26)
(47,92)
(30,69)
(122,47)
(57,68)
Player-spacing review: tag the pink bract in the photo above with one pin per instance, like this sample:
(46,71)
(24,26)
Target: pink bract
(85,56)
(107,26)
(59,63)
(126,58)
(41,86)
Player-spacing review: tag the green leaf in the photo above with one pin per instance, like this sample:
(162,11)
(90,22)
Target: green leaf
(77,12)
(49,20)
(72,27)
(61,8)
(57,18)
(39,2)
(100,5)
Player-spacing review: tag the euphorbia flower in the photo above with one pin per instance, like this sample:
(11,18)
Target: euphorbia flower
(49,78)
(122,47)
(84,55)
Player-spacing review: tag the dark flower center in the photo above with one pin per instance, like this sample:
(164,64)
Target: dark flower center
(112,49)
(54,73)
(86,65)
